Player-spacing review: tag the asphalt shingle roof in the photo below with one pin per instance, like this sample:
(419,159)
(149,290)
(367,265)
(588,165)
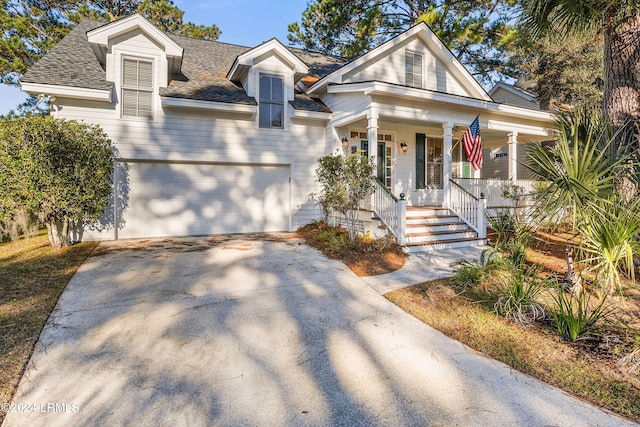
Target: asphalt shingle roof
(203,75)
(71,62)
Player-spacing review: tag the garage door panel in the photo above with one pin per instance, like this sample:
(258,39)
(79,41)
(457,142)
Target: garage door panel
(189,199)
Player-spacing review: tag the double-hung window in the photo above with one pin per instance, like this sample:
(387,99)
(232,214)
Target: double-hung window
(271,102)
(413,69)
(137,88)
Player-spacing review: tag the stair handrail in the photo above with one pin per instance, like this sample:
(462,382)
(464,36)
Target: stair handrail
(384,188)
(469,208)
(385,206)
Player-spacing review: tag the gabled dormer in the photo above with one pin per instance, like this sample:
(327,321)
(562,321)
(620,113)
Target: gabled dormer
(139,59)
(268,73)
(415,59)
(103,39)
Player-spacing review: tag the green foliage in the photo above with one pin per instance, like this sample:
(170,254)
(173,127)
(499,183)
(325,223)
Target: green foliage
(490,266)
(591,174)
(570,16)
(168,17)
(58,172)
(568,70)
(346,182)
(28,31)
(582,168)
(513,232)
(518,293)
(608,242)
(618,21)
(335,242)
(574,317)
(477,31)
(468,273)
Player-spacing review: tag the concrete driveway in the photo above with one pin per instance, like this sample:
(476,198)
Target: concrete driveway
(259,332)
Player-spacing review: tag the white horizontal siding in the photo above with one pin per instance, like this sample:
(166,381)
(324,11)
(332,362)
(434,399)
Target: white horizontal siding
(506,97)
(390,68)
(499,167)
(344,105)
(188,135)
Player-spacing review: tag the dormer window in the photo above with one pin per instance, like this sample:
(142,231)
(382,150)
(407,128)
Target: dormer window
(137,88)
(271,102)
(413,69)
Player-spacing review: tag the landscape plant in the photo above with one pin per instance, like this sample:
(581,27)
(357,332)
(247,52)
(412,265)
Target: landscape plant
(582,167)
(53,172)
(592,174)
(469,273)
(518,295)
(609,242)
(574,316)
(346,181)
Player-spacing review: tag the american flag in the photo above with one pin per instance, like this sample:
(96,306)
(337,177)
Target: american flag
(473,144)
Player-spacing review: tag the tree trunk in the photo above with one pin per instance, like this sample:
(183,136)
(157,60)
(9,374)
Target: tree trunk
(58,232)
(622,74)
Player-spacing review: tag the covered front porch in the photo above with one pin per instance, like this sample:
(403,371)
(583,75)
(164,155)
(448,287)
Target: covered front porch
(420,160)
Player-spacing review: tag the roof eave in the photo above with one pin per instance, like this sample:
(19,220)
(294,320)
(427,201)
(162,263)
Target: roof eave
(243,62)
(423,31)
(228,107)
(99,39)
(59,91)
(379,88)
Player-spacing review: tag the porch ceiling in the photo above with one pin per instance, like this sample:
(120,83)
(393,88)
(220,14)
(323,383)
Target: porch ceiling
(491,138)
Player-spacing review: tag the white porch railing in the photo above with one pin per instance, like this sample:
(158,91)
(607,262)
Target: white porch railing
(494,188)
(390,210)
(469,208)
(336,218)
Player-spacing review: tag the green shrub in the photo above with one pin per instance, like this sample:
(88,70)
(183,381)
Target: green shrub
(575,319)
(513,233)
(490,265)
(469,273)
(517,296)
(608,242)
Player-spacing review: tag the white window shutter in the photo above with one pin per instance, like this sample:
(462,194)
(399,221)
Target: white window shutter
(129,102)
(137,88)
(145,104)
(145,75)
(130,73)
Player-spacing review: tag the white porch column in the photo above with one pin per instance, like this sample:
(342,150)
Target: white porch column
(513,157)
(372,134)
(447,158)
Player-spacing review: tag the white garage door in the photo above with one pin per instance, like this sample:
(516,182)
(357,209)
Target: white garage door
(171,199)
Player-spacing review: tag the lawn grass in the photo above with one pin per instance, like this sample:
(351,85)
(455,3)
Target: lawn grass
(536,351)
(32,277)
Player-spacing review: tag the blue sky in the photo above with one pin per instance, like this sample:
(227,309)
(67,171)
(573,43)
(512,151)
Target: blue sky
(243,22)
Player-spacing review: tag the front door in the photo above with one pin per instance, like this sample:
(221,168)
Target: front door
(383,160)
(380,167)
(428,162)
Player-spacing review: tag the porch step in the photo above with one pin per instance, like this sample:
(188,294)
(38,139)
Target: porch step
(445,244)
(438,236)
(427,211)
(434,219)
(437,227)
(431,228)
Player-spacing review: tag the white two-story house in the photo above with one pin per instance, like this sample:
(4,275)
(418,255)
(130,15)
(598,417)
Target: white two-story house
(219,138)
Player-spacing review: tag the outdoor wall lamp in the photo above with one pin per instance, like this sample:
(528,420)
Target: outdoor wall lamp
(404,147)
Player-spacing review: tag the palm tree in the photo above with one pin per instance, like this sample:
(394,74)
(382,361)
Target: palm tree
(618,21)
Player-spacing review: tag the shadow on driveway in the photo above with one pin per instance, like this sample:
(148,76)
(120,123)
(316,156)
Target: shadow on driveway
(246,331)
